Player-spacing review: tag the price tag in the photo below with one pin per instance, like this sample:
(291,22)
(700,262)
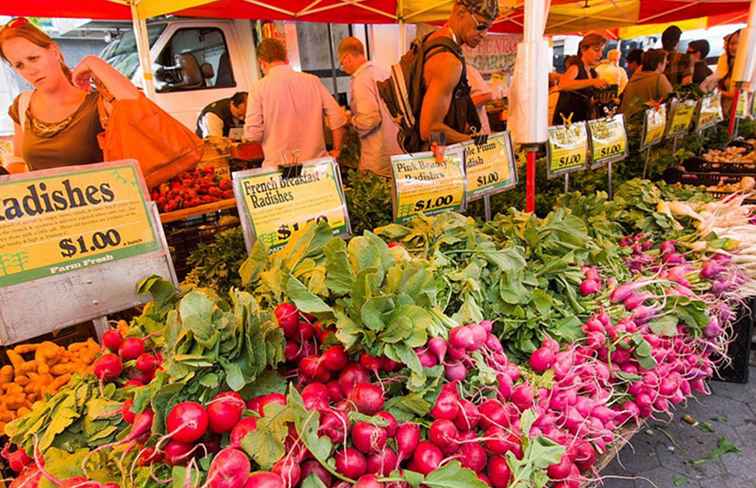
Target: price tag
(67,219)
(654,125)
(608,140)
(682,117)
(421,184)
(710,112)
(567,149)
(490,167)
(741,111)
(275,208)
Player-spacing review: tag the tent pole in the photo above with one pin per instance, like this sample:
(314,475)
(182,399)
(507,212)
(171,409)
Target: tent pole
(745,59)
(143,49)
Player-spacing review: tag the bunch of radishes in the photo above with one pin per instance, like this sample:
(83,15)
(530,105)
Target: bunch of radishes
(110,366)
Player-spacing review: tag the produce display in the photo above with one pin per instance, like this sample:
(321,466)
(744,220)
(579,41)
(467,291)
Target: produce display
(731,154)
(192,188)
(445,353)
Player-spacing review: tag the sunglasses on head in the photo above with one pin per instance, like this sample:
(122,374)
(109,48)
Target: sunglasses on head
(17,22)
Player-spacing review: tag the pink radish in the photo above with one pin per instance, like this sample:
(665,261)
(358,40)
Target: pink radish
(225,411)
(367,397)
(382,462)
(351,376)
(350,462)
(368,438)
(407,439)
(229,469)
(264,479)
(187,422)
(499,473)
(427,457)
(368,481)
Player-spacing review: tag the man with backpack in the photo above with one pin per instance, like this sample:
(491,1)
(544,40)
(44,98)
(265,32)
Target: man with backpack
(428,92)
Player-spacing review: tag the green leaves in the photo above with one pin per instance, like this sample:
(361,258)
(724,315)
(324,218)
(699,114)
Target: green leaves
(304,299)
(453,475)
(265,444)
(538,454)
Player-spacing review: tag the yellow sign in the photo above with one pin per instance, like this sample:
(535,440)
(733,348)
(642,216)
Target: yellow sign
(710,112)
(654,126)
(421,184)
(608,140)
(568,149)
(276,208)
(62,220)
(490,167)
(741,111)
(682,117)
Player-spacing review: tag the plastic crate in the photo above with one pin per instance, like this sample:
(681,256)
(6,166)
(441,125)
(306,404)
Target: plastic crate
(709,179)
(700,165)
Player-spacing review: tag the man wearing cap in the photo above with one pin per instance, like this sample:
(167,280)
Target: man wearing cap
(447,107)
(699,50)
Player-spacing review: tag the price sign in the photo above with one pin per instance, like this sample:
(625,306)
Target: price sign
(682,117)
(422,184)
(608,140)
(567,149)
(276,208)
(741,111)
(58,221)
(490,167)
(654,124)
(710,112)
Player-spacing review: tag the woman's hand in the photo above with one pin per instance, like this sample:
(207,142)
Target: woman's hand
(81,76)
(599,83)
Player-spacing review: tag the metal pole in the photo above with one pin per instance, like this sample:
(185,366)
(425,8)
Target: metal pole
(645,165)
(733,112)
(487,207)
(333,61)
(566,182)
(143,50)
(609,178)
(530,181)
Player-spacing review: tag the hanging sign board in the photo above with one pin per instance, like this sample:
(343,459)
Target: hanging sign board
(567,149)
(74,241)
(424,185)
(682,117)
(490,167)
(608,140)
(654,124)
(274,208)
(741,111)
(710,112)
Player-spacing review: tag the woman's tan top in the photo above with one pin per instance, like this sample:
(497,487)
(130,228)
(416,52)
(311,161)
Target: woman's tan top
(66,143)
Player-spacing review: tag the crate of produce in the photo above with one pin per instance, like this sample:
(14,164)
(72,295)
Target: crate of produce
(710,179)
(184,236)
(734,159)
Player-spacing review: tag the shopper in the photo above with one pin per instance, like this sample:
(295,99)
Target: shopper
(670,43)
(447,107)
(56,124)
(648,84)
(684,69)
(218,118)
(578,81)
(370,117)
(723,74)
(285,111)
(698,51)
(633,62)
(481,94)
(609,70)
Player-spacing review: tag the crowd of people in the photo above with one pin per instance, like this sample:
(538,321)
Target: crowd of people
(647,77)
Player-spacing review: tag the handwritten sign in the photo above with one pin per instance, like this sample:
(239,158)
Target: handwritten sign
(63,220)
(490,167)
(608,140)
(710,112)
(421,184)
(682,117)
(654,124)
(567,149)
(275,208)
(741,111)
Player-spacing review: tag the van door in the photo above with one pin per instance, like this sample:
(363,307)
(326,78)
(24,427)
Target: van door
(196,63)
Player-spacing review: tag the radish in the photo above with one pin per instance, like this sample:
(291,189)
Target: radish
(368,438)
(455,353)
(315,396)
(176,453)
(447,404)
(522,396)
(561,470)
(17,460)
(270,398)
(499,473)
(367,397)
(112,339)
(392,424)
(264,479)
(389,365)
(131,348)
(427,359)
(147,363)
(108,367)
(313,467)
(334,358)
(351,376)
(240,430)
(455,371)
(287,317)
(493,414)
(542,359)
(444,435)
(473,456)
(225,411)
(368,481)
(585,455)
(351,463)
(437,345)
(382,462)
(468,416)
(407,439)
(462,338)
(493,343)
(427,457)
(333,425)
(289,471)
(229,469)
(334,391)
(126,413)
(29,477)
(371,363)
(187,422)
(589,287)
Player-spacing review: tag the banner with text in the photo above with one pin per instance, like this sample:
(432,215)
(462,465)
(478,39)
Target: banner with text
(66,219)
(490,167)
(681,118)
(654,126)
(608,140)
(567,149)
(710,113)
(274,208)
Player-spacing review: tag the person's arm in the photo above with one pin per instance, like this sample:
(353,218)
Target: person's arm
(338,134)
(254,125)
(568,82)
(622,80)
(118,85)
(366,114)
(335,117)
(213,125)
(441,73)
(482,98)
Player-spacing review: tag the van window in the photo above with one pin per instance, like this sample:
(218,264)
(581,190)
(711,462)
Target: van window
(121,53)
(194,59)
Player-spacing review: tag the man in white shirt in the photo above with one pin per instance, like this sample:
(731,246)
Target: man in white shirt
(481,93)
(285,111)
(370,117)
(610,71)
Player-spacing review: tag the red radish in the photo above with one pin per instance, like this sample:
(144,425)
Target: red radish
(225,411)
(229,469)
(473,456)
(334,391)
(313,466)
(389,365)
(522,396)
(311,367)
(368,438)
(392,424)
(492,413)
(462,338)
(455,371)
(370,363)
(479,335)
(368,481)
(112,339)
(292,352)
(382,462)
(264,479)
(351,376)
(427,457)
(305,331)
(447,403)
(468,416)
(368,398)
(140,376)
(585,455)
(427,359)
(17,460)
(240,430)
(147,363)
(147,456)
(499,473)
(444,435)
(407,438)
(289,471)
(108,367)
(437,345)
(126,413)
(542,359)
(589,287)
(270,398)
(351,463)
(561,470)
(455,353)
(175,452)
(132,348)
(187,422)
(315,396)
(333,425)
(287,317)
(334,358)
